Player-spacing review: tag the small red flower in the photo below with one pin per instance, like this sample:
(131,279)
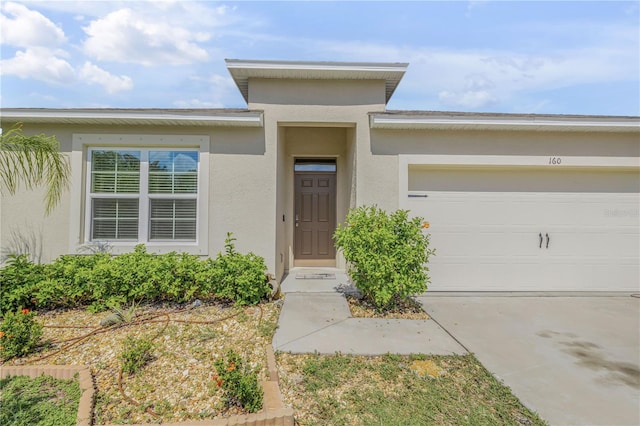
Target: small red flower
(231,367)
(1,334)
(219,382)
(25,311)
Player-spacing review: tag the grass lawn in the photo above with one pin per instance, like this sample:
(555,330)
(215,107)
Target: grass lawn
(397,390)
(41,401)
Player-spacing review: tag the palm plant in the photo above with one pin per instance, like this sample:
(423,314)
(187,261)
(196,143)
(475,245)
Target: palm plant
(33,161)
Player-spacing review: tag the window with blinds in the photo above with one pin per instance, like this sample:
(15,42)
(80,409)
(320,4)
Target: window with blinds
(143,195)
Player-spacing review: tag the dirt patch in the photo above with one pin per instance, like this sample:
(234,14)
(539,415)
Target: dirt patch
(407,309)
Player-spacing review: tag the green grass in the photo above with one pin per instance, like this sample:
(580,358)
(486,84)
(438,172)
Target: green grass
(42,401)
(355,390)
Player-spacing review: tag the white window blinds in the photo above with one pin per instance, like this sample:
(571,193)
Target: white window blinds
(143,195)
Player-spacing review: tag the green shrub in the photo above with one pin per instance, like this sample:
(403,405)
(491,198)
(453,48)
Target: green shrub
(19,333)
(102,281)
(239,382)
(387,254)
(136,353)
(18,279)
(238,277)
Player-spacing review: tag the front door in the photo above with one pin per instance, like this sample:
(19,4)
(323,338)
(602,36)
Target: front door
(315,217)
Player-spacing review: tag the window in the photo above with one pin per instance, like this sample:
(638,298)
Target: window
(314,165)
(143,195)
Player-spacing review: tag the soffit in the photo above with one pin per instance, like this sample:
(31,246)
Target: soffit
(243,70)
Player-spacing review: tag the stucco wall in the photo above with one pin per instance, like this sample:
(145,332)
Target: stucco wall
(311,142)
(318,118)
(239,165)
(250,182)
(478,142)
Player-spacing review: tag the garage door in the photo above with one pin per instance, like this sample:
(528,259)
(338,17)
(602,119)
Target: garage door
(524,229)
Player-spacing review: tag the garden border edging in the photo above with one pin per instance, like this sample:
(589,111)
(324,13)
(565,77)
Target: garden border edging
(85,380)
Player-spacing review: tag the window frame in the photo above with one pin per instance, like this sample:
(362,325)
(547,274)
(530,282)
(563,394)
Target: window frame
(83,147)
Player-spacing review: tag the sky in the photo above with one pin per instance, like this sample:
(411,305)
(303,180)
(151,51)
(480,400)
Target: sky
(544,57)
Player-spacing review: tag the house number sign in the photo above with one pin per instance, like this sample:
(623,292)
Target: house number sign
(555,160)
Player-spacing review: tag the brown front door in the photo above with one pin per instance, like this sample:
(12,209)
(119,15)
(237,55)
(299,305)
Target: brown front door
(315,216)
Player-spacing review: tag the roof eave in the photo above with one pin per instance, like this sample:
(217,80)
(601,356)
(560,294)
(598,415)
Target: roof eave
(249,119)
(407,123)
(242,70)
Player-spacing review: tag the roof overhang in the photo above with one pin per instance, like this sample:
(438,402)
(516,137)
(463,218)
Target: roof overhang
(243,70)
(505,122)
(134,117)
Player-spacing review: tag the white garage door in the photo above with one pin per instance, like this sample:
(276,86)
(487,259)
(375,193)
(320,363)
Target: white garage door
(530,229)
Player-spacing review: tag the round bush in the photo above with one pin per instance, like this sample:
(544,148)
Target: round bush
(386,254)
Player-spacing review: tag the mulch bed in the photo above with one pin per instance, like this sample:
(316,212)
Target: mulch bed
(407,309)
(177,384)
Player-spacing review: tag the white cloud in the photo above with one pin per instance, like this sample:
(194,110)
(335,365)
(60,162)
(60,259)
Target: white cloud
(126,36)
(38,63)
(23,27)
(197,103)
(477,93)
(111,83)
(219,91)
(476,79)
(472,99)
(473,4)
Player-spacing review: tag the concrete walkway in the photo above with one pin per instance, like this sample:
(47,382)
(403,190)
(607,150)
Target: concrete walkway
(575,360)
(315,317)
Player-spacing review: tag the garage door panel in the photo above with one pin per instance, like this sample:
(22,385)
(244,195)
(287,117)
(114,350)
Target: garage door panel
(516,209)
(472,241)
(610,243)
(528,275)
(487,239)
(523,180)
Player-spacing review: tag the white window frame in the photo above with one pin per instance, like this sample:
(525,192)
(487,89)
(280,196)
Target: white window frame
(80,232)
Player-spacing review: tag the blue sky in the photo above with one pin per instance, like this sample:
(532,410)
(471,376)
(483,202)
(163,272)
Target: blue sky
(491,56)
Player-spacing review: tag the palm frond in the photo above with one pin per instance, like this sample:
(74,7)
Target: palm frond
(33,161)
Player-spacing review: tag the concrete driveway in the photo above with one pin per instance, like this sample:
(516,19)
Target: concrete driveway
(574,360)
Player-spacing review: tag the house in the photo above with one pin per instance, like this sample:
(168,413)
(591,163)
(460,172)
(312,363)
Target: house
(516,202)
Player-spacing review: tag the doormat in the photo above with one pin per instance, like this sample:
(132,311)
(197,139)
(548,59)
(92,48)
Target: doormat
(319,276)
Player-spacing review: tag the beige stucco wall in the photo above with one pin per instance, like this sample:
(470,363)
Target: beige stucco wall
(479,142)
(239,166)
(22,216)
(316,118)
(250,185)
(386,143)
(315,142)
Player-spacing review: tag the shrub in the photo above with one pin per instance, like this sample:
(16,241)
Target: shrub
(387,254)
(239,382)
(18,279)
(19,333)
(238,277)
(136,353)
(101,281)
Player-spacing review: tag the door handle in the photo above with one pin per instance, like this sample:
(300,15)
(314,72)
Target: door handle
(297,220)
(547,240)
(540,234)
